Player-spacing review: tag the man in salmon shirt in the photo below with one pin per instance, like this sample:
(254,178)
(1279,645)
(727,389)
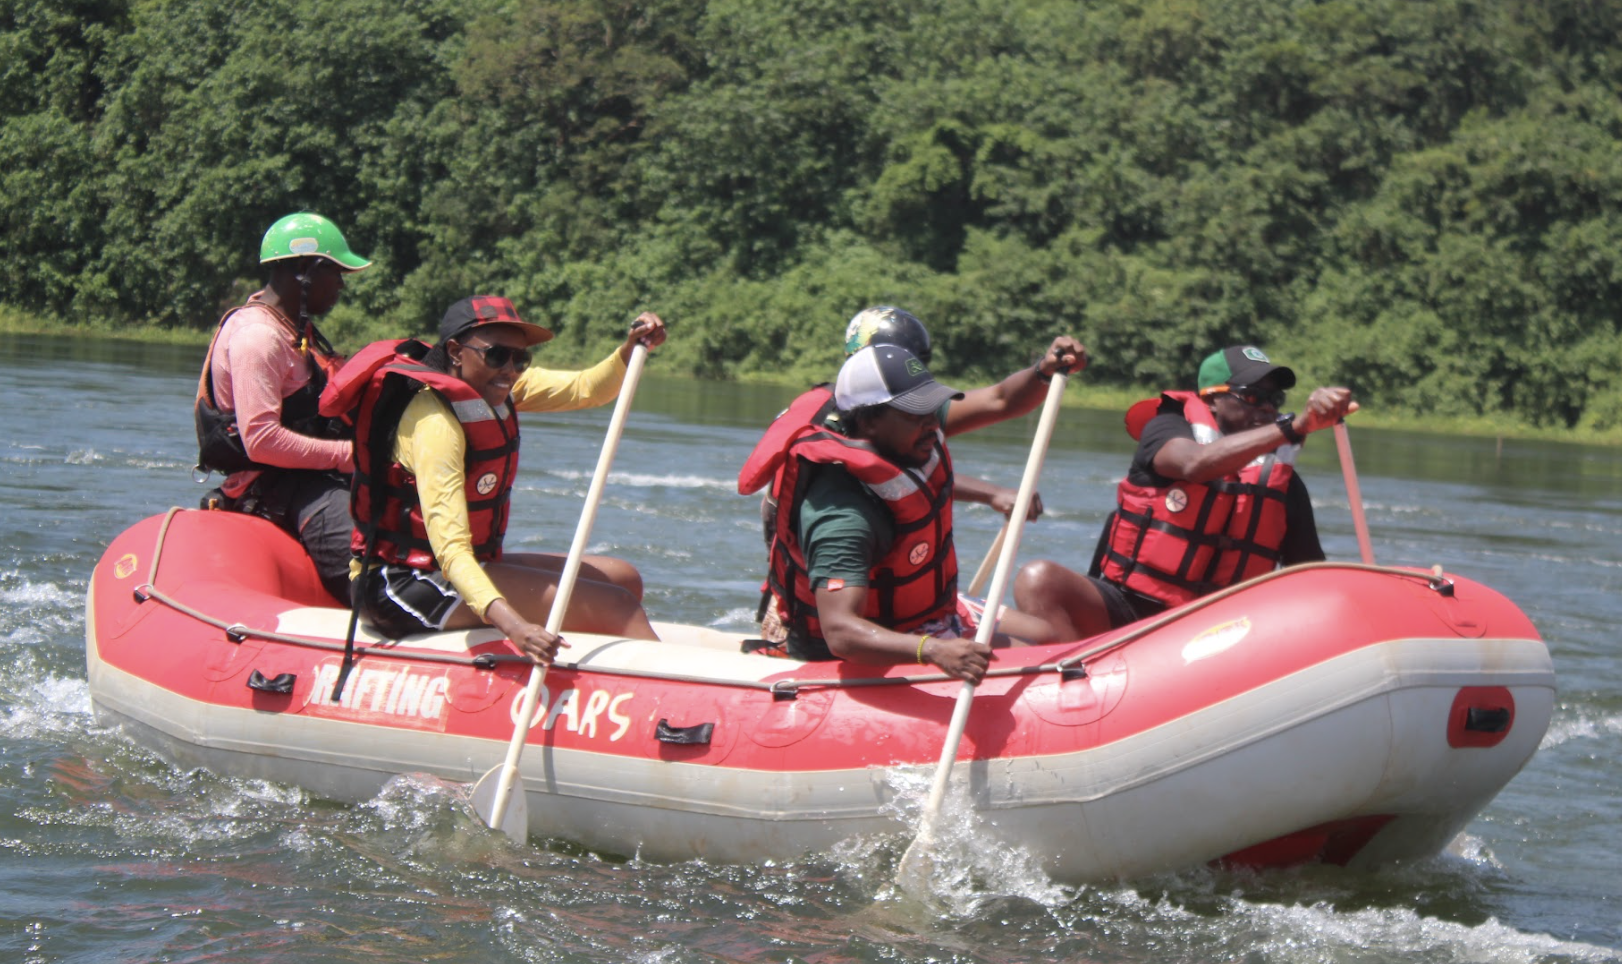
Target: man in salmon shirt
(257,398)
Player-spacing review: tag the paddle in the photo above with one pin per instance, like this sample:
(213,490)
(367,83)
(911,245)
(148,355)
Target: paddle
(1343,442)
(493,797)
(913,873)
(984,572)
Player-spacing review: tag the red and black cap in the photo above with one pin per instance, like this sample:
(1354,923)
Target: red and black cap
(481,310)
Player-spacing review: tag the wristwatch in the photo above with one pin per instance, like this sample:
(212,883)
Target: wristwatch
(1286,424)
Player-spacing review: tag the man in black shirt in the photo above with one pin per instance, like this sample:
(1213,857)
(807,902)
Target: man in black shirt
(1211,499)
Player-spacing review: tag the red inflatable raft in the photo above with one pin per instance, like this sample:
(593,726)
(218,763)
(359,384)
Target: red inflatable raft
(1345,713)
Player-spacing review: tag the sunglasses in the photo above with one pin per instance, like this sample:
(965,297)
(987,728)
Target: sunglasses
(500,356)
(1255,397)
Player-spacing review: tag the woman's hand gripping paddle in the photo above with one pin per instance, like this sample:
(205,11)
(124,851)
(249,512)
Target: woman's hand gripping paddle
(494,799)
(917,864)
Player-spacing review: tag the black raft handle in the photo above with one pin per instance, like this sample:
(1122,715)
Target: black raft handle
(1487,720)
(699,733)
(281,683)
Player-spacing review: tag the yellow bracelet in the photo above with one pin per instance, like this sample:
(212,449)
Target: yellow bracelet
(921,641)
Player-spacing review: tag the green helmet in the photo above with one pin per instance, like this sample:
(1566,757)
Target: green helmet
(306,235)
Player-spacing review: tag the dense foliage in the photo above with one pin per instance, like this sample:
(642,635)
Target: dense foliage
(1420,200)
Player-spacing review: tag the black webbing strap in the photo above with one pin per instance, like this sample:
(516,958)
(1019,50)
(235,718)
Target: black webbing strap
(357,591)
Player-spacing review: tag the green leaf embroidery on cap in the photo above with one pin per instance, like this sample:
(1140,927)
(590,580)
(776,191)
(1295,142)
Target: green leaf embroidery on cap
(914,367)
(1256,355)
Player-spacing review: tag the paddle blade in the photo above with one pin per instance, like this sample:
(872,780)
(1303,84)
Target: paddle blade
(514,817)
(977,585)
(917,869)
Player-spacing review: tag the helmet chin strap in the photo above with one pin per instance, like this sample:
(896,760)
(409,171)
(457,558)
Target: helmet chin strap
(310,338)
(304,295)
(313,339)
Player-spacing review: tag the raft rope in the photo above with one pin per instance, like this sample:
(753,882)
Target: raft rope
(781,689)
(237,632)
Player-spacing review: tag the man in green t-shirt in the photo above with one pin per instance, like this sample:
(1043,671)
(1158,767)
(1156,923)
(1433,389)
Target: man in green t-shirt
(872,525)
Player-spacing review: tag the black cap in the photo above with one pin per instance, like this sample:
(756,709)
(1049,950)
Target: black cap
(1242,365)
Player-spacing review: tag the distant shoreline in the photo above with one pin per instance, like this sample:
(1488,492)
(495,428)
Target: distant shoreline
(1102,398)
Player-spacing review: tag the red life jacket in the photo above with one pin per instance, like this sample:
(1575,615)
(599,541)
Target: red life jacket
(915,582)
(219,444)
(814,408)
(811,408)
(1177,542)
(378,383)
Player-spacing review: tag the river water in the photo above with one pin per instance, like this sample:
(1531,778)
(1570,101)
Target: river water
(109,854)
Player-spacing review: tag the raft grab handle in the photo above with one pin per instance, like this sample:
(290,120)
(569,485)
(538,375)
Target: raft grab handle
(281,683)
(1485,720)
(697,734)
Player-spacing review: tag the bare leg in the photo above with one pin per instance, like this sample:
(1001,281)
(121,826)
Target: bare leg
(1015,628)
(1064,599)
(594,607)
(597,568)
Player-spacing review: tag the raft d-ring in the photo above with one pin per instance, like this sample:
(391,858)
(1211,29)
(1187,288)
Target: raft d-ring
(1440,583)
(143,592)
(785,689)
(236,632)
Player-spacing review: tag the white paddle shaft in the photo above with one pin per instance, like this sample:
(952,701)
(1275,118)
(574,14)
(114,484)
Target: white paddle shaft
(988,622)
(566,582)
(978,583)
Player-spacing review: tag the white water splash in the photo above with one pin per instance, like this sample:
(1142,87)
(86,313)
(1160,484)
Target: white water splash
(20,593)
(742,617)
(1473,850)
(46,707)
(415,801)
(35,613)
(967,872)
(650,481)
(1582,727)
(249,797)
(1320,932)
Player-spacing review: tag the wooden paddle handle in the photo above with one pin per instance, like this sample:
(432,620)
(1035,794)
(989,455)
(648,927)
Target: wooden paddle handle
(978,583)
(1360,523)
(988,620)
(566,581)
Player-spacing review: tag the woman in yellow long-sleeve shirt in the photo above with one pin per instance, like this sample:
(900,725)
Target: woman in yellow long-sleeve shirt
(434,513)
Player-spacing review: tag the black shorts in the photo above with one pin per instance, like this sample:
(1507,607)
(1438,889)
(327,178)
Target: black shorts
(398,600)
(1124,605)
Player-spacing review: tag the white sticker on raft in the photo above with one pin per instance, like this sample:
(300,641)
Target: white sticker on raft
(1217,639)
(390,692)
(397,694)
(579,719)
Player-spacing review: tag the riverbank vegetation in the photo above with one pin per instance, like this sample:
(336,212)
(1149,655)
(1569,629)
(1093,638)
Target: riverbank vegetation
(1420,200)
